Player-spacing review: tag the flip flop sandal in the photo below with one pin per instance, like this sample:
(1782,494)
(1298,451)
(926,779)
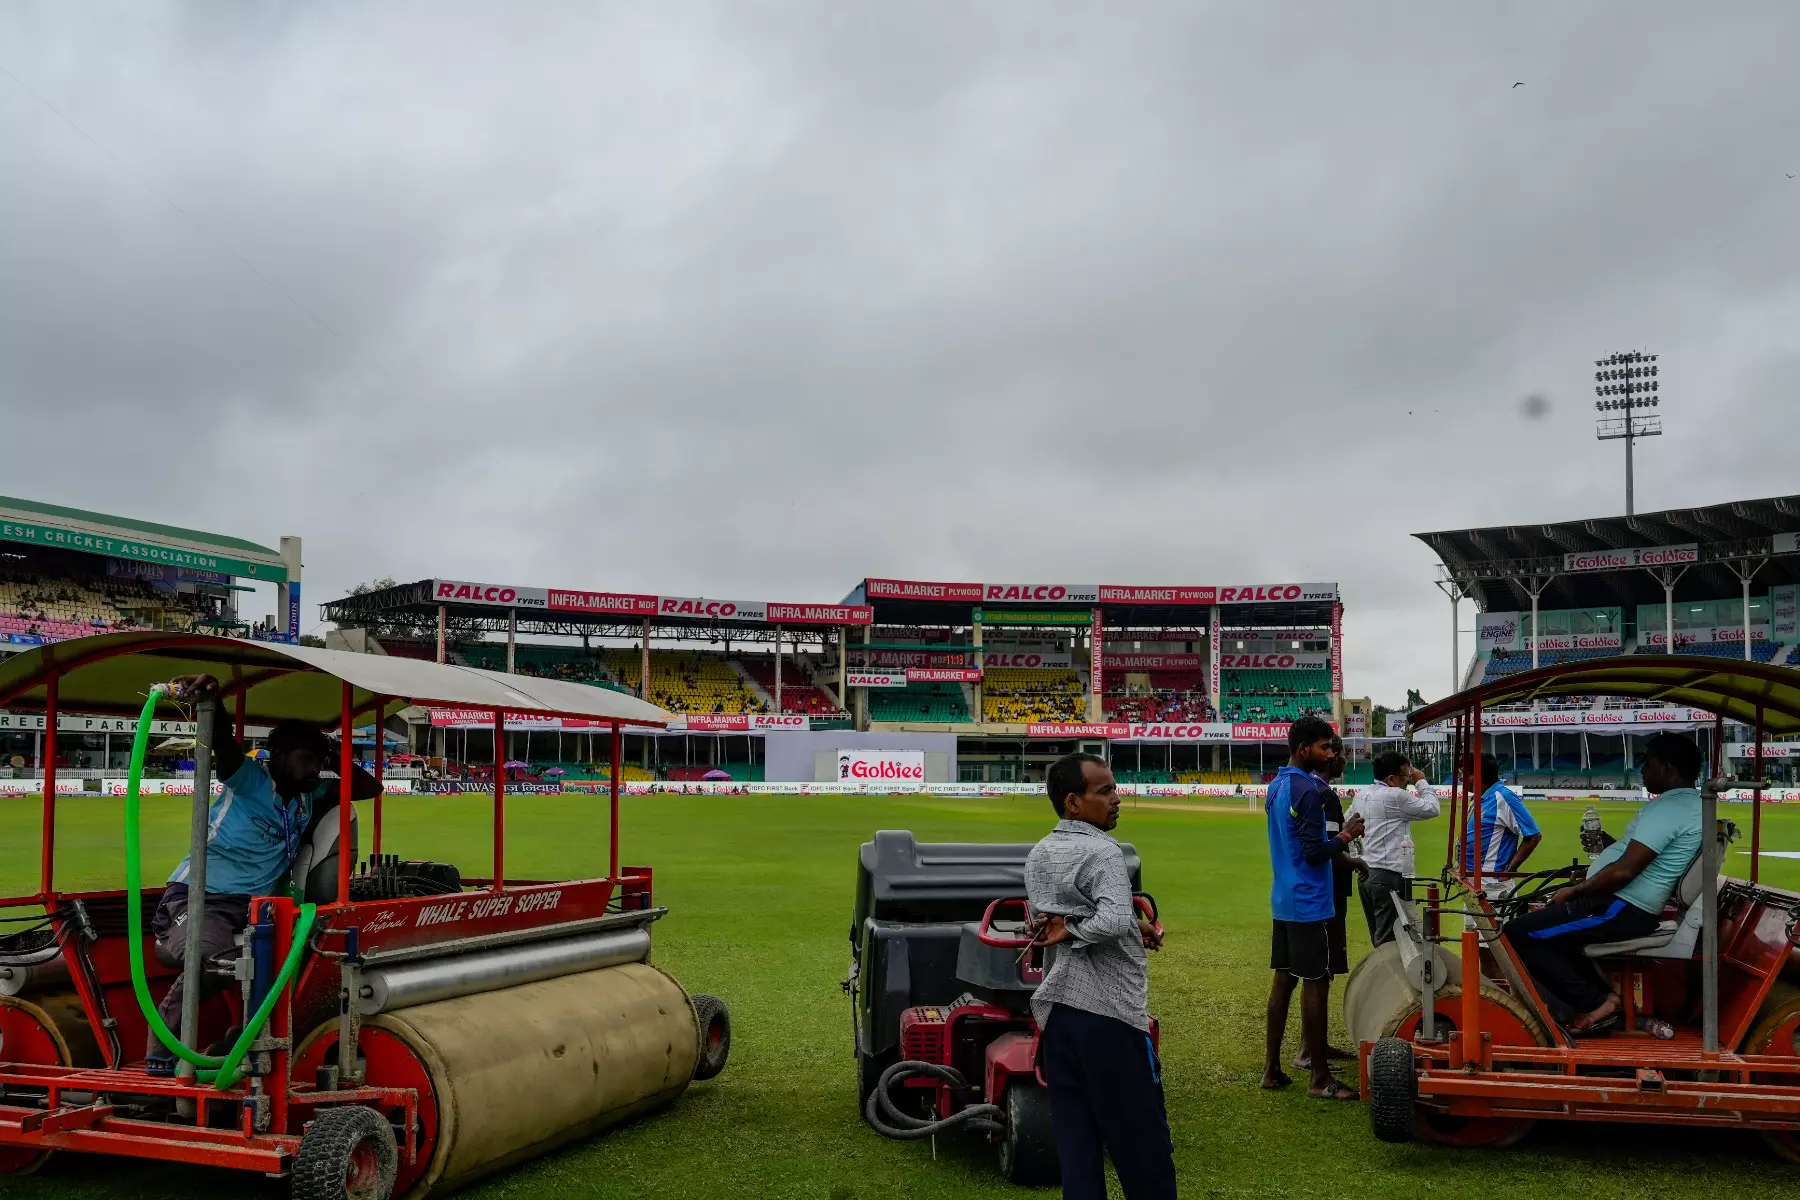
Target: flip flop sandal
(1603,1026)
(1337,1091)
(1279,1082)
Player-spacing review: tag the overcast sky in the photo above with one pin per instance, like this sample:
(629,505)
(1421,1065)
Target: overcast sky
(755,300)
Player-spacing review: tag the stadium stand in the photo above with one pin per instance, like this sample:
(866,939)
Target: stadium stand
(1221,775)
(1508,662)
(1759,651)
(1162,695)
(685,681)
(1273,696)
(918,702)
(798,695)
(1023,695)
(58,597)
(546,662)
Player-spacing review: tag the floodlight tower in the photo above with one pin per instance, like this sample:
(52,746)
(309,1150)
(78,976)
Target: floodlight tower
(1626,382)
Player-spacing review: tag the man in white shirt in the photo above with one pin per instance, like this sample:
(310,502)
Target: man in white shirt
(1398,797)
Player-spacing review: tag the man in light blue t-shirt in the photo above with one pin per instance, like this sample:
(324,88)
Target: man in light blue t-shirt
(255,827)
(1624,892)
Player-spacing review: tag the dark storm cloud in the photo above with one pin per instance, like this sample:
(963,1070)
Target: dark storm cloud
(753,300)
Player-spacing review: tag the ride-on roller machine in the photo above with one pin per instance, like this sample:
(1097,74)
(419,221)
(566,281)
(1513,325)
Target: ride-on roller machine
(1711,1020)
(410,1030)
(942,970)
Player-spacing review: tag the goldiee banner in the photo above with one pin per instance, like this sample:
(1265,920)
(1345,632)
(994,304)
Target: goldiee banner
(1681,555)
(881,766)
(1610,718)
(1711,633)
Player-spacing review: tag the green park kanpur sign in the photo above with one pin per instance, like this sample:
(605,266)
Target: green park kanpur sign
(93,543)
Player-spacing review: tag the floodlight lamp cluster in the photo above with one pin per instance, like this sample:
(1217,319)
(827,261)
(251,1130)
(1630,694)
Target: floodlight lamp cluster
(1630,376)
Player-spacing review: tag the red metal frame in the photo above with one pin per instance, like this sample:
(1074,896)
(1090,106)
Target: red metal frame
(1626,1076)
(104,987)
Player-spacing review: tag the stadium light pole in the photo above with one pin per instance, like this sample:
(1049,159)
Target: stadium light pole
(1626,382)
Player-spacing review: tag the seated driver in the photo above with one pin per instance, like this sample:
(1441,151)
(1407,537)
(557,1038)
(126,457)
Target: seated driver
(1623,895)
(256,824)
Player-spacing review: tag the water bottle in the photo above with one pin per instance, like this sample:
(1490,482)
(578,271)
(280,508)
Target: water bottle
(1590,830)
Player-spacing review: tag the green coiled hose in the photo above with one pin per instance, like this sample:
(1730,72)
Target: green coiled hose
(222,1073)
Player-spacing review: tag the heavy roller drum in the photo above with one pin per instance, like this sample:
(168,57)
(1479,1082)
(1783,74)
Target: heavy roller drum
(1777,1031)
(44,1030)
(1380,1001)
(503,1076)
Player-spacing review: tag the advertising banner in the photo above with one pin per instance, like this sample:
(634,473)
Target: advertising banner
(922,657)
(1577,641)
(1635,556)
(1211,731)
(60,538)
(1116,594)
(1785,601)
(1285,660)
(820,614)
(720,610)
(293,614)
(1264,593)
(1497,631)
(1096,662)
(943,674)
(1019,616)
(1356,724)
(1396,725)
(499,595)
(1019,657)
(1786,543)
(514,787)
(1050,729)
(1710,633)
(33,722)
(1337,649)
(476,718)
(908,589)
(1041,593)
(875,679)
(624,603)
(1212,646)
(1258,733)
(164,577)
(1155,662)
(737,722)
(881,766)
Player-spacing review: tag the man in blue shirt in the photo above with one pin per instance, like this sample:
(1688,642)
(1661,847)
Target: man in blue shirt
(1509,833)
(1623,895)
(255,828)
(1302,845)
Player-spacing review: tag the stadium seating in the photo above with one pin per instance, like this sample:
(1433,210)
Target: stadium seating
(1508,662)
(1759,651)
(1265,696)
(1172,695)
(1023,695)
(918,702)
(685,681)
(798,695)
(1225,776)
(71,605)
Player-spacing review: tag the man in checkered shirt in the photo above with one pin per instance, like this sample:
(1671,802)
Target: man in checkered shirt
(1093,1006)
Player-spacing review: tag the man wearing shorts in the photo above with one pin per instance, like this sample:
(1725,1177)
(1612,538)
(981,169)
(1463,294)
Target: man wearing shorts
(1301,896)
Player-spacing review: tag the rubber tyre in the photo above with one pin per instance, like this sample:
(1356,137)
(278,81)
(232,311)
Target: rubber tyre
(1393,1090)
(1776,1032)
(714,1020)
(346,1154)
(1028,1148)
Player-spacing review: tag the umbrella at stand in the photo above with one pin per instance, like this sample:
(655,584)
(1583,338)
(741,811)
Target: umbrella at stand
(715,775)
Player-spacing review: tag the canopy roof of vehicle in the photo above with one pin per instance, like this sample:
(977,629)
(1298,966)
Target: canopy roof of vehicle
(112,673)
(1727,686)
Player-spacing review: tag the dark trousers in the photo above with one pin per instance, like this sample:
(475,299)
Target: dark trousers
(1378,891)
(1550,942)
(1106,1099)
(224,919)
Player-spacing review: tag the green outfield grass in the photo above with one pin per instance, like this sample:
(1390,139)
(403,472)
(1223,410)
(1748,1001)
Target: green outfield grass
(760,889)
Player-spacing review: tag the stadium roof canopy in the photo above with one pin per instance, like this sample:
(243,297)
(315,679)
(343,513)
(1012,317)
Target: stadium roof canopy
(1604,561)
(55,527)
